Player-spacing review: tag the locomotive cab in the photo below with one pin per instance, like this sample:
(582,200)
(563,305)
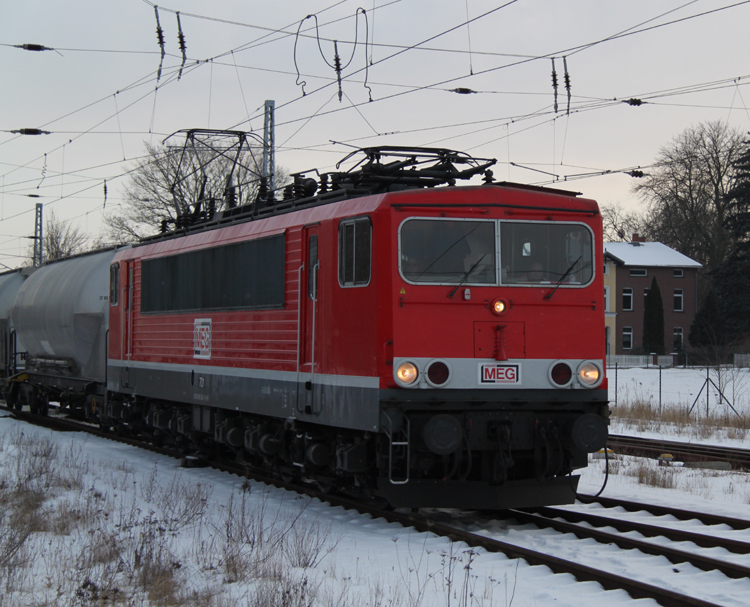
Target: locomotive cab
(498,388)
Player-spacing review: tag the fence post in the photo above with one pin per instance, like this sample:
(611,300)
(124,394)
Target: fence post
(660,390)
(707,390)
(616,367)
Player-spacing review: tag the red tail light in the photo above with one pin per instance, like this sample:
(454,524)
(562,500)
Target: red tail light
(561,374)
(438,373)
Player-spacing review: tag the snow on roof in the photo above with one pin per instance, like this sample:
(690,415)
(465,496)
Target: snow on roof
(648,254)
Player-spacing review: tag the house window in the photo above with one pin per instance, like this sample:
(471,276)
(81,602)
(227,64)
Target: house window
(606,299)
(355,252)
(677,339)
(678,301)
(638,272)
(678,273)
(627,300)
(606,269)
(627,338)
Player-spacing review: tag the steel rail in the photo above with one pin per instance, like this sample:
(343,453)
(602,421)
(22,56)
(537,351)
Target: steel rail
(545,518)
(684,515)
(739,458)
(648,530)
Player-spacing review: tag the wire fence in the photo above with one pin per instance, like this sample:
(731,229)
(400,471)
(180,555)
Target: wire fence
(701,390)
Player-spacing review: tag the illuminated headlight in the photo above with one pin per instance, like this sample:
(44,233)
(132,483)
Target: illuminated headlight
(499,306)
(589,374)
(407,373)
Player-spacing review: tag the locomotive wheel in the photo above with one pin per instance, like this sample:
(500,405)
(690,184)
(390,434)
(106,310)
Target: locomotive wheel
(18,405)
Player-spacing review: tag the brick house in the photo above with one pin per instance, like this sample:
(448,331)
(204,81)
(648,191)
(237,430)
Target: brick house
(635,264)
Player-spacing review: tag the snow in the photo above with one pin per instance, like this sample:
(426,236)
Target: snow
(649,254)
(125,523)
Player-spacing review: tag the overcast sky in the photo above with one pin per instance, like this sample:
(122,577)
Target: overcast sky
(97,92)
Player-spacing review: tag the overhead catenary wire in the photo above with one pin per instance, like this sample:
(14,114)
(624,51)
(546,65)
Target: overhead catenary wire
(582,46)
(352,106)
(518,119)
(158,85)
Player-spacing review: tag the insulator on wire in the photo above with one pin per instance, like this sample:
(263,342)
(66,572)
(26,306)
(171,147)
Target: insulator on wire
(33,47)
(181,43)
(104,206)
(634,102)
(567,81)
(337,66)
(30,132)
(463,91)
(160,40)
(554,82)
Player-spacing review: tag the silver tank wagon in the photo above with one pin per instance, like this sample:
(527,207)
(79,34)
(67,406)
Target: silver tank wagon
(61,315)
(10,283)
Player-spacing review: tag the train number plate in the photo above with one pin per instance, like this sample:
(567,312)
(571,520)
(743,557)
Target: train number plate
(498,373)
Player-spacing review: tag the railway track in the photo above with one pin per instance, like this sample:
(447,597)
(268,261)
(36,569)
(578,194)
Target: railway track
(581,524)
(568,521)
(688,452)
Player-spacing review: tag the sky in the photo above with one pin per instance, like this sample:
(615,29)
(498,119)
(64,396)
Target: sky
(101,96)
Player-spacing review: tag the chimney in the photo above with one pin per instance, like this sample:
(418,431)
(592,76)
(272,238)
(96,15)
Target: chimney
(637,238)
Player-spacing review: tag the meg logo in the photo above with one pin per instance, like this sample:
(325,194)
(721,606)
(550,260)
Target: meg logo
(496,373)
(202,338)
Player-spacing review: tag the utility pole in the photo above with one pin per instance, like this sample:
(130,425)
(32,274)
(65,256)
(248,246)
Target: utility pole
(269,136)
(38,227)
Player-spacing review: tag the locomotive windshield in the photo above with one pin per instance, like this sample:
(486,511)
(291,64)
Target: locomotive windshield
(451,251)
(448,251)
(544,253)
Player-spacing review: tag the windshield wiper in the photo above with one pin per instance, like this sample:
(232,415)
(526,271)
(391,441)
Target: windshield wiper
(471,269)
(563,277)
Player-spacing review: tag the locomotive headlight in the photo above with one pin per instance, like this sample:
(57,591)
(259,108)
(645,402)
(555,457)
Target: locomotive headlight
(407,373)
(499,306)
(589,374)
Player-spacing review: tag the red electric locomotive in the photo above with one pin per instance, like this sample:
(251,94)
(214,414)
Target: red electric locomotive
(432,346)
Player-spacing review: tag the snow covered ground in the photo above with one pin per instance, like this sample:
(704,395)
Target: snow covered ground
(111,524)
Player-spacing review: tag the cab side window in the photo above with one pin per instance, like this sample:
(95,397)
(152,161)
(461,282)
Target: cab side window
(114,284)
(355,252)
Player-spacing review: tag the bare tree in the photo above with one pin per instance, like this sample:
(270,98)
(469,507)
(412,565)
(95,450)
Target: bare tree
(208,171)
(686,192)
(60,239)
(620,225)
